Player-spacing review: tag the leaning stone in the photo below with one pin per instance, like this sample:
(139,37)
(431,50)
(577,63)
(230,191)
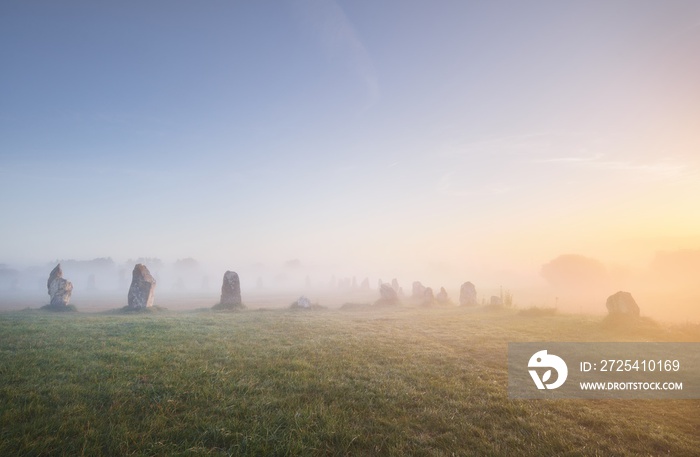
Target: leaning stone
(387,296)
(142,288)
(365,284)
(417,290)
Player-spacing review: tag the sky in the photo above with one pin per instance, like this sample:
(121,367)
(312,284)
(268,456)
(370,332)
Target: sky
(446,137)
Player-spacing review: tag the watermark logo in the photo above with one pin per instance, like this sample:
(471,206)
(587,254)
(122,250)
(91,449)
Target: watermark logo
(541,359)
(556,370)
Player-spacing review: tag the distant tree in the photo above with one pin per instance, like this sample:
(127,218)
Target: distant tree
(293,263)
(188,263)
(508,299)
(677,267)
(99,263)
(572,271)
(6,271)
(102,262)
(8,277)
(150,262)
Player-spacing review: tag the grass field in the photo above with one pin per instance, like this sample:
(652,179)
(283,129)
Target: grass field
(279,382)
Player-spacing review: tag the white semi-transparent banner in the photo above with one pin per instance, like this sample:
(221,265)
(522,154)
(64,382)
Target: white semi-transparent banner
(604,370)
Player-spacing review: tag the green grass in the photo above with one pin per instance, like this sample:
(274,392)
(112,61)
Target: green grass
(279,382)
(228,307)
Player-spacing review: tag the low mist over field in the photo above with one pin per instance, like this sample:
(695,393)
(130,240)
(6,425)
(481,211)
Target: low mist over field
(666,288)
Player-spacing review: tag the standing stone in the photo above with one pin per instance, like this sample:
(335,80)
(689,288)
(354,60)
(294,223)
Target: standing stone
(467,294)
(56,273)
(496,300)
(231,289)
(428,297)
(622,304)
(395,284)
(387,296)
(365,284)
(442,297)
(417,290)
(142,288)
(59,289)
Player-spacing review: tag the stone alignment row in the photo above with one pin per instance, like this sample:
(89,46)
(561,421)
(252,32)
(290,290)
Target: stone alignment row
(142,292)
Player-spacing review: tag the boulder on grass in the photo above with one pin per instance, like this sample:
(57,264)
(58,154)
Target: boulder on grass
(303,302)
(622,304)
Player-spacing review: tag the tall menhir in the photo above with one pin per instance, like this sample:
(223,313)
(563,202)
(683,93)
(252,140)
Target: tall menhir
(142,288)
(59,288)
(231,290)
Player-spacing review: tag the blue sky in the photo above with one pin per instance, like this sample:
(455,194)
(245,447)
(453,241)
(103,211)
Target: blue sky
(382,135)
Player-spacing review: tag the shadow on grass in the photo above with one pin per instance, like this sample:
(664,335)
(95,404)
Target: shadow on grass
(59,308)
(129,310)
(312,307)
(355,307)
(633,326)
(619,321)
(228,307)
